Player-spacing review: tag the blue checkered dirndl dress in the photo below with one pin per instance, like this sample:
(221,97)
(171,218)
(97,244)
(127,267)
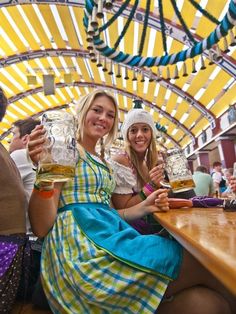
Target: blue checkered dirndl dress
(93,262)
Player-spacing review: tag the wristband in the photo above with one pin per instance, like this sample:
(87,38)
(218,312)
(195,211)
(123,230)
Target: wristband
(43,186)
(44,193)
(142,195)
(153,185)
(149,188)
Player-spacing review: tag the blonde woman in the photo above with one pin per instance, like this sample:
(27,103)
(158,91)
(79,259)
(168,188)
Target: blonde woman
(138,170)
(93,261)
(135,169)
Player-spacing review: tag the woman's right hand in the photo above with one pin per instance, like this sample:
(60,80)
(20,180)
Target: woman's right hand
(35,143)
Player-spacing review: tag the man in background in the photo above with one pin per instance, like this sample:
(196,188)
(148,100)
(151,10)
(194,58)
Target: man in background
(203,182)
(17,149)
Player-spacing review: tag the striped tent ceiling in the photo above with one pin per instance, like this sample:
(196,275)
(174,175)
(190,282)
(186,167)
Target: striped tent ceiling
(49,37)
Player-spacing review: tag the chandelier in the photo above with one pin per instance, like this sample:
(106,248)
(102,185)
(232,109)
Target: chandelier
(94,10)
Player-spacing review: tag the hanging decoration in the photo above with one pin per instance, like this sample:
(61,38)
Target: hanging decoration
(138,104)
(161,133)
(161,128)
(94,9)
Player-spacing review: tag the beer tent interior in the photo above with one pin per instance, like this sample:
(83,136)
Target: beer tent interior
(176,57)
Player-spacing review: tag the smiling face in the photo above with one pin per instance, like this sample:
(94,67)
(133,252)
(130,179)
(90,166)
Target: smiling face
(100,118)
(139,137)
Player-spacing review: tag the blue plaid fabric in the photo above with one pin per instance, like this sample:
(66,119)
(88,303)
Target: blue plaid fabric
(78,275)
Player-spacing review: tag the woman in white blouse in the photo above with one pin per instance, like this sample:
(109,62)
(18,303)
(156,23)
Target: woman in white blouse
(136,169)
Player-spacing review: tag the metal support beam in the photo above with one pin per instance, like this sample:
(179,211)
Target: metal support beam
(77,53)
(113,89)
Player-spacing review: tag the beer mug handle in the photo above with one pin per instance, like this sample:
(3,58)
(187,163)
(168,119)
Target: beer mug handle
(164,183)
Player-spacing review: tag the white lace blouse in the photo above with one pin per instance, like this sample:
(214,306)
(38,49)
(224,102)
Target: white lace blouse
(125,178)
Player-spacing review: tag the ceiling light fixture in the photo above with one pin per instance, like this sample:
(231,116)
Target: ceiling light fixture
(197,48)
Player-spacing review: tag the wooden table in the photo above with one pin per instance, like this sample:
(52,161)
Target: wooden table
(209,234)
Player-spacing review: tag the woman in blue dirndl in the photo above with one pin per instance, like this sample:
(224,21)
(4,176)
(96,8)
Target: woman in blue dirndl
(93,261)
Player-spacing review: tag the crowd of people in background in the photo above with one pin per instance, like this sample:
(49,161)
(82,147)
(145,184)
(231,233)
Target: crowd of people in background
(104,217)
(215,183)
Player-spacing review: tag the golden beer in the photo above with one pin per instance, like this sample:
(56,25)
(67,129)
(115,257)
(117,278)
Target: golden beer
(54,172)
(178,171)
(182,185)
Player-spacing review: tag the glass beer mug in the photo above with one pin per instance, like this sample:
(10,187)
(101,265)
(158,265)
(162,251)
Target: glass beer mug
(178,171)
(59,156)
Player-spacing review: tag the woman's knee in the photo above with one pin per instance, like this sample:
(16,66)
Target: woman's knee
(192,273)
(195,300)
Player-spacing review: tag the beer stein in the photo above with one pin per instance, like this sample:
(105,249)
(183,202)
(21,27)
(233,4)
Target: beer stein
(178,171)
(59,156)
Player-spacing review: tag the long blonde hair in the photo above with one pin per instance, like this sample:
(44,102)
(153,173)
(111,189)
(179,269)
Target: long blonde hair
(82,108)
(150,158)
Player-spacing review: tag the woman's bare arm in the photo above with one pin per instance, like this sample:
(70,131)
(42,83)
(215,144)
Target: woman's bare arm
(43,211)
(157,201)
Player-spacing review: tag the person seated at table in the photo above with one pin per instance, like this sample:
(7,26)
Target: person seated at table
(204,185)
(93,261)
(138,170)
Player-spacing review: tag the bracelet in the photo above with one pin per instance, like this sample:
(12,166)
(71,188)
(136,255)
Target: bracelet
(44,190)
(40,186)
(44,193)
(149,187)
(153,185)
(147,190)
(142,195)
